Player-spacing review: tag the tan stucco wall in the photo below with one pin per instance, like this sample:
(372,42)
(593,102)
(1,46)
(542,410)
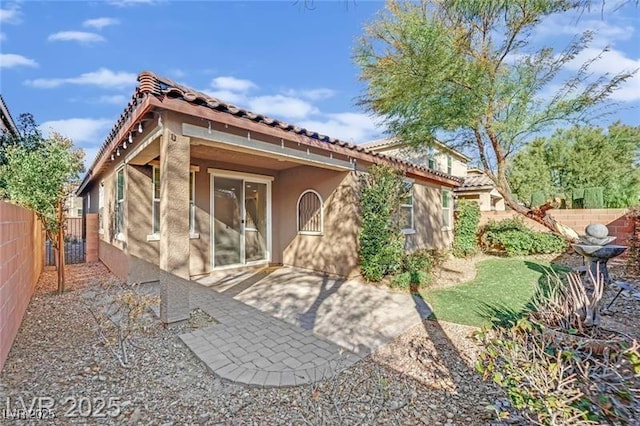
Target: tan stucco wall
(427,210)
(421,156)
(114,259)
(336,251)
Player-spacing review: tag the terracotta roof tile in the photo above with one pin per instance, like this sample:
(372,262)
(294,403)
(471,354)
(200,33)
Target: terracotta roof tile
(152,84)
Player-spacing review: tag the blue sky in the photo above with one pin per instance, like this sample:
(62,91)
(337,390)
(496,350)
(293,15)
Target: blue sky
(73,64)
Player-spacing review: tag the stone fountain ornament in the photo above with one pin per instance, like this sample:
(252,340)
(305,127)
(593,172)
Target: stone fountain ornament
(596,250)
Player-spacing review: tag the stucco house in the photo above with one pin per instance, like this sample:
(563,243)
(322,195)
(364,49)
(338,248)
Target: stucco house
(186,184)
(476,185)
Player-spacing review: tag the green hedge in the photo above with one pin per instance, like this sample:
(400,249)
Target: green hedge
(513,238)
(538,198)
(465,237)
(594,198)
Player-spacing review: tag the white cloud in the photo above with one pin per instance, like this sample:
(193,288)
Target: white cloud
(103,77)
(311,94)
(283,106)
(232,84)
(228,96)
(113,99)
(100,23)
(11,60)
(80,130)
(612,62)
(79,36)
(348,126)
(10,15)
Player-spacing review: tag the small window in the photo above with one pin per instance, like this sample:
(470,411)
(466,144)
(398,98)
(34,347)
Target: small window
(155,202)
(406,209)
(101,207)
(192,203)
(432,158)
(449,164)
(120,201)
(310,213)
(79,212)
(446,209)
(155,229)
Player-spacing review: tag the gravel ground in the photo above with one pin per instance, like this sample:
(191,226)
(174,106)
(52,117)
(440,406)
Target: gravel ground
(59,361)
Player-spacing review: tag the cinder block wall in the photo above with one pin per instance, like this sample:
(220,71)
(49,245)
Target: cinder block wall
(21,262)
(615,219)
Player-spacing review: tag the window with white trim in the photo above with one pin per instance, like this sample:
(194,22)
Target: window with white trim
(310,217)
(446,209)
(192,202)
(406,208)
(432,158)
(449,164)
(155,202)
(101,207)
(119,205)
(155,207)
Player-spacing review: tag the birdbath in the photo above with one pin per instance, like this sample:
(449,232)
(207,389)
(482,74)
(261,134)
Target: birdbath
(596,250)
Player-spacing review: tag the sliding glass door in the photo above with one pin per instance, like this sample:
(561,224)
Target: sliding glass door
(241,214)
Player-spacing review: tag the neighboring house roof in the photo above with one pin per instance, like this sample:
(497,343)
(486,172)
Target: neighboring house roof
(155,92)
(475,182)
(8,125)
(388,143)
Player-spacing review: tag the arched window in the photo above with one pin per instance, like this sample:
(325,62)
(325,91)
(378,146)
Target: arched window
(310,213)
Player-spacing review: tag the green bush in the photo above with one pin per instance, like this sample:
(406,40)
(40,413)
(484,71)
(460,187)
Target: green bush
(381,241)
(594,198)
(538,198)
(577,198)
(465,238)
(401,280)
(514,238)
(416,269)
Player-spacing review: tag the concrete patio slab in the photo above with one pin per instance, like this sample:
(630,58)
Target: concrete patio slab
(354,315)
(250,347)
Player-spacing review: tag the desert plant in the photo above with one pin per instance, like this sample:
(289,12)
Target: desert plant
(465,238)
(594,198)
(120,311)
(381,241)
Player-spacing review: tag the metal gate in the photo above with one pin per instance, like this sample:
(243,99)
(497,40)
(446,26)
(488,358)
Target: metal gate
(74,243)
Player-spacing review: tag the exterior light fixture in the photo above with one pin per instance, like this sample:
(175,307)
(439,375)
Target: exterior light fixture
(140,127)
(124,145)
(130,138)
(118,152)
(112,157)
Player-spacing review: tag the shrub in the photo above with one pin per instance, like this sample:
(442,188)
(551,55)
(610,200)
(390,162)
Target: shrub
(381,242)
(594,198)
(633,253)
(401,280)
(465,238)
(577,199)
(538,198)
(514,238)
(556,380)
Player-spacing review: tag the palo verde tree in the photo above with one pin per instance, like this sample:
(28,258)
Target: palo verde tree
(465,72)
(41,179)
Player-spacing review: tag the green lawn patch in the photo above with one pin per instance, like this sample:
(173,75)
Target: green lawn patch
(502,285)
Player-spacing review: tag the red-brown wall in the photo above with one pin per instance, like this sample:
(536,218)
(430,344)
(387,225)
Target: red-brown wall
(21,262)
(615,219)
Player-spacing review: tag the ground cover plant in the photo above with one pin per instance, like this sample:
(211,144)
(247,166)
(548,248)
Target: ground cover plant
(513,238)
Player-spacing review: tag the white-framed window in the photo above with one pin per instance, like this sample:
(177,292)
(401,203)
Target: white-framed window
(88,202)
(101,207)
(446,209)
(432,158)
(155,202)
(192,202)
(310,216)
(155,207)
(406,208)
(119,205)
(449,164)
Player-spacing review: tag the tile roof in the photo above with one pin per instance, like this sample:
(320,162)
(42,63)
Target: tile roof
(476,182)
(151,84)
(7,121)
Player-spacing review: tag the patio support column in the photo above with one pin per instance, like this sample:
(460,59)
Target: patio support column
(174,226)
